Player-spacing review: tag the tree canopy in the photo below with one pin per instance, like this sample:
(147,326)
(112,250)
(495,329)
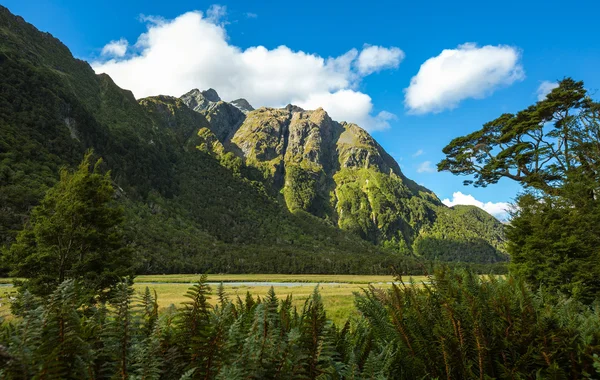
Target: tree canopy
(74,233)
(540,146)
(552,148)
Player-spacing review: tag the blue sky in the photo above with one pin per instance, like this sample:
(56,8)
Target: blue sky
(483,59)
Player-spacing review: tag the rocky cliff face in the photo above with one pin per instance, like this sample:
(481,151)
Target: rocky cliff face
(333,170)
(200,100)
(185,206)
(242,105)
(224,117)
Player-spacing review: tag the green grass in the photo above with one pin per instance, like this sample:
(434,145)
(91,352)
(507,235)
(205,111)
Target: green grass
(5,292)
(338,299)
(317,278)
(336,290)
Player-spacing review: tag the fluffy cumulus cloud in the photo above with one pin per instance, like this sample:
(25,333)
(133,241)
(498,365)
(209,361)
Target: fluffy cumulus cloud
(498,209)
(469,71)
(115,48)
(336,105)
(545,88)
(425,167)
(376,58)
(193,51)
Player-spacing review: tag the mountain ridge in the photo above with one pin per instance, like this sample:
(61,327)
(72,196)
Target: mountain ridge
(200,188)
(315,161)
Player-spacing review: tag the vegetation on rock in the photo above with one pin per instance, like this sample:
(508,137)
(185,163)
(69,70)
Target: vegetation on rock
(205,186)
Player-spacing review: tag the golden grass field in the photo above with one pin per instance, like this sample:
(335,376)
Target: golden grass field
(322,278)
(336,290)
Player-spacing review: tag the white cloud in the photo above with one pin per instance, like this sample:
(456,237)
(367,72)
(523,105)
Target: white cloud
(425,167)
(216,13)
(251,15)
(498,209)
(468,71)
(193,51)
(418,153)
(115,48)
(348,105)
(376,58)
(545,88)
(382,120)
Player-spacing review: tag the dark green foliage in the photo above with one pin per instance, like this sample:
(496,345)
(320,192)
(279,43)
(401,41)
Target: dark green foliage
(151,150)
(49,342)
(464,327)
(459,326)
(120,334)
(555,246)
(317,339)
(551,148)
(302,191)
(74,233)
(540,146)
(200,344)
(381,207)
(462,233)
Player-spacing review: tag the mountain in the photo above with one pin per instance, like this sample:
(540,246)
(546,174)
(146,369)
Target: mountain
(338,172)
(213,186)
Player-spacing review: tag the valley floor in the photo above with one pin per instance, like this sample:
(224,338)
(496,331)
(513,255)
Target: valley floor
(336,290)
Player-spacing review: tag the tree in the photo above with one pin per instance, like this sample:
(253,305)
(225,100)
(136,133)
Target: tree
(555,246)
(552,148)
(540,147)
(74,233)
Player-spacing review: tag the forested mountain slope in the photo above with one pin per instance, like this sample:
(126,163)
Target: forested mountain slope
(338,172)
(209,185)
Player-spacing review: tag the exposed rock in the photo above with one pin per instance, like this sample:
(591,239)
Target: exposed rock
(333,170)
(200,100)
(211,95)
(159,152)
(224,119)
(293,108)
(242,105)
(173,113)
(71,125)
(262,136)
(357,149)
(329,169)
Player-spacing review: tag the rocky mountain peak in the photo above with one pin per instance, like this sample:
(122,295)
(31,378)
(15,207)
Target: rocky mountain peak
(211,95)
(218,202)
(292,108)
(243,105)
(200,100)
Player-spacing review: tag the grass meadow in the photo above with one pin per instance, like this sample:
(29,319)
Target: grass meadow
(336,290)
